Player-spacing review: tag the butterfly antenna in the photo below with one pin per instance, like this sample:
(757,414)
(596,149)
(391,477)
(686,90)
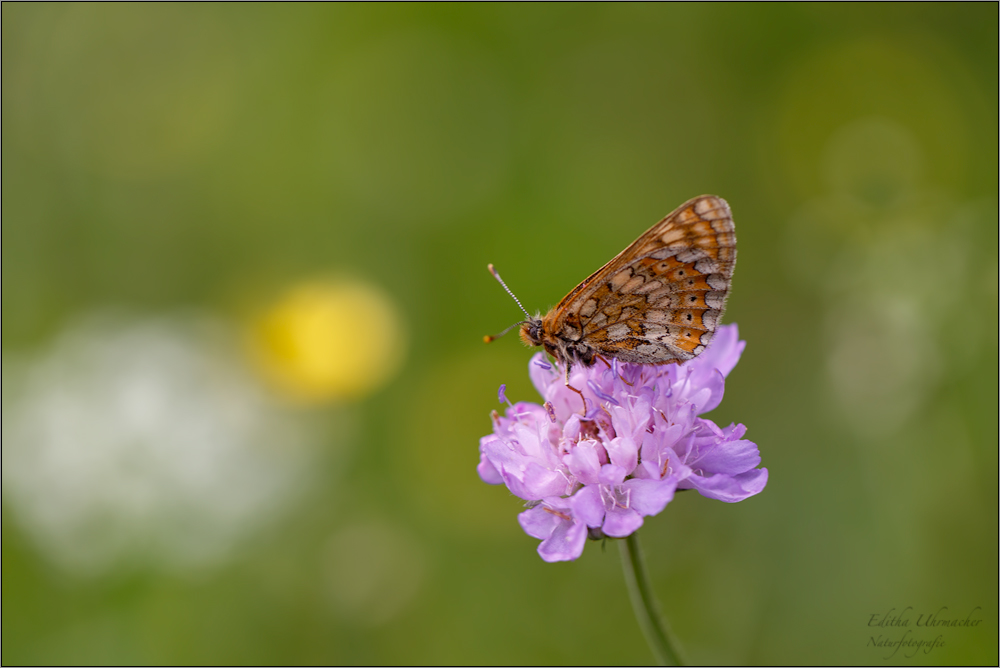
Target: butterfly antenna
(493,271)
(489,338)
(500,280)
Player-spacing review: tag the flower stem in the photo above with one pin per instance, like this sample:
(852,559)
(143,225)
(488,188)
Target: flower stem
(645,606)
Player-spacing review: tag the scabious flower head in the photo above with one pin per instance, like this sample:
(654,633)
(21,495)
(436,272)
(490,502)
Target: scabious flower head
(640,440)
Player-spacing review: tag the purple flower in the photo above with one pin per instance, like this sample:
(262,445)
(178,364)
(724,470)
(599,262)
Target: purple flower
(640,441)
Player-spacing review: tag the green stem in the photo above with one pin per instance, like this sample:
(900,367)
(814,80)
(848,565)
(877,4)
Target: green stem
(647,610)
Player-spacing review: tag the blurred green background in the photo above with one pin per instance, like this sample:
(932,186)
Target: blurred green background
(168,166)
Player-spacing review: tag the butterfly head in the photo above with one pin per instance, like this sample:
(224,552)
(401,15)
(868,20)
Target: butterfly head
(532,332)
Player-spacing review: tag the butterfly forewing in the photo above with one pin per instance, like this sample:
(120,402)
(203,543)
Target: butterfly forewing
(660,299)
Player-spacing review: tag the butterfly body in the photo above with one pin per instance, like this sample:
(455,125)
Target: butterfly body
(657,302)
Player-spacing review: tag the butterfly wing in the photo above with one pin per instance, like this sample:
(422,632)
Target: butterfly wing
(660,299)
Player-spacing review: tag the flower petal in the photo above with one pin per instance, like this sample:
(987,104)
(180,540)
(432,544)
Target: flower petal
(537,522)
(525,475)
(621,522)
(612,475)
(566,542)
(571,431)
(539,482)
(486,470)
(542,373)
(728,488)
(631,421)
(588,506)
(583,461)
(724,351)
(713,388)
(729,457)
(623,453)
(650,497)
(703,397)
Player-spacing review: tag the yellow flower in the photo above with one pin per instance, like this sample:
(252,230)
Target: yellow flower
(328,341)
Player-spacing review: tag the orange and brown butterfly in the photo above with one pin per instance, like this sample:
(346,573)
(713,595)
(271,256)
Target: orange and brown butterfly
(657,302)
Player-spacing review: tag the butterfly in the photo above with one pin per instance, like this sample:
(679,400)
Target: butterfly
(657,302)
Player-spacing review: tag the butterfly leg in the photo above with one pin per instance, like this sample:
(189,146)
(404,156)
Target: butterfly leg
(569,365)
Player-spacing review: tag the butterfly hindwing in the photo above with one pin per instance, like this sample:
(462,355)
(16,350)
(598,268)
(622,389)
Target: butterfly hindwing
(660,299)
